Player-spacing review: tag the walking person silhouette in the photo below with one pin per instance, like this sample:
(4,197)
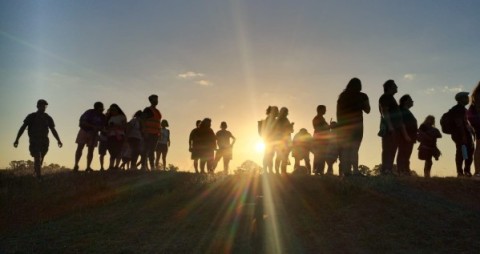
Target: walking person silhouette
(38,124)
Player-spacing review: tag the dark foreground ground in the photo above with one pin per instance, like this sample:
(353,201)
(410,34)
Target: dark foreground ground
(187,213)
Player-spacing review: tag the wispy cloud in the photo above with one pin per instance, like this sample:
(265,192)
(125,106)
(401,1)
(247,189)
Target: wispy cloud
(190,75)
(453,89)
(430,90)
(204,82)
(196,77)
(409,76)
(445,89)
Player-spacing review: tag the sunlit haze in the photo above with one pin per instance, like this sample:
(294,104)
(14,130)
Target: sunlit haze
(229,60)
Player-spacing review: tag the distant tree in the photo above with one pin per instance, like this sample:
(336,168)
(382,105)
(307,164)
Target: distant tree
(365,170)
(54,168)
(23,167)
(249,167)
(172,168)
(15,165)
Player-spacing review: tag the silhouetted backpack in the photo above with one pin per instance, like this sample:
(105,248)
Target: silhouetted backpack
(447,122)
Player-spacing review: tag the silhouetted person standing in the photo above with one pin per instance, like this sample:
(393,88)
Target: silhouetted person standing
(332,153)
(350,107)
(391,127)
(38,124)
(473,116)
(135,138)
(283,131)
(102,148)
(427,136)
(116,125)
(461,135)
(151,117)
(91,122)
(405,148)
(267,131)
(206,144)
(321,133)
(163,145)
(225,148)
(193,145)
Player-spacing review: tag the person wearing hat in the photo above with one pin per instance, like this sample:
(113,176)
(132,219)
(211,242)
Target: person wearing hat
(38,124)
(462,136)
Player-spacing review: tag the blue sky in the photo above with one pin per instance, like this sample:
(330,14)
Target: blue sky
(228,60)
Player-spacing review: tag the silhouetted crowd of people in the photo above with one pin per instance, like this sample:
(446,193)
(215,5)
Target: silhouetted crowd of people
(330,140)
(138,144)
(203,143)
(144,136)
(141,142)
(340,140)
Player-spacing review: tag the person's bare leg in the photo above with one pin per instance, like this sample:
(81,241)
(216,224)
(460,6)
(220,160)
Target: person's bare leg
(78,156)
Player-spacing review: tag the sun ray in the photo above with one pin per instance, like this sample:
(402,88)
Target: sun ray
(272,236)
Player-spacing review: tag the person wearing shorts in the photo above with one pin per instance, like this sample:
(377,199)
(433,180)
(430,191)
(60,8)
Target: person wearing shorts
(91,122)
(38,124)
(162,145)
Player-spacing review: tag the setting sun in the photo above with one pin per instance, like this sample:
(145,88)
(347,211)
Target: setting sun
(259,146)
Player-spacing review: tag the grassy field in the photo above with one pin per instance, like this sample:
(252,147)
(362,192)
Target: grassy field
(187,213)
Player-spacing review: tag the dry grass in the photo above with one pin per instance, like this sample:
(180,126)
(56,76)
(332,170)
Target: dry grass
(188,213)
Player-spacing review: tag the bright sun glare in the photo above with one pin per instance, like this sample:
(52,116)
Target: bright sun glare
(259,146)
